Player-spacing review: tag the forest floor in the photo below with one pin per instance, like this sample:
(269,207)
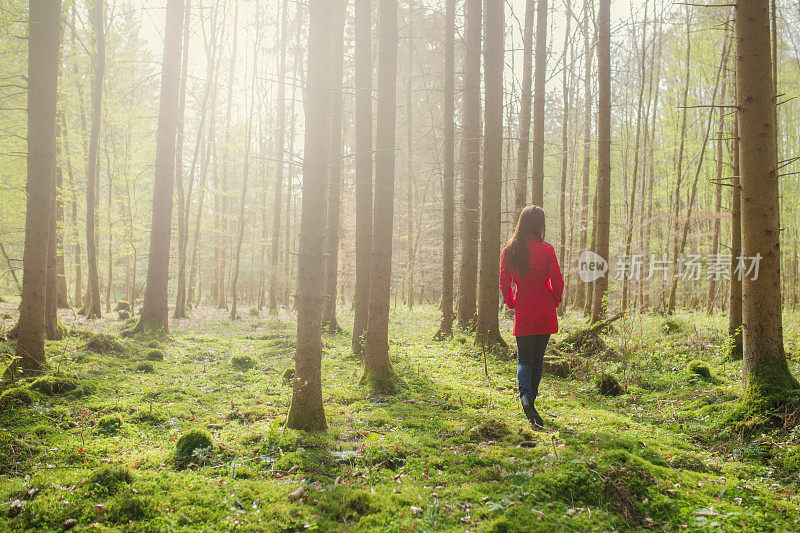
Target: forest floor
(450,451)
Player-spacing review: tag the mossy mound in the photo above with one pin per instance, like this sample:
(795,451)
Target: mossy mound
(103,343)
(18,396)
(110,478)
(123,315)
(243,362)
(42,431)
(288,376)
(490,430)
(608,385)
(672,325)
(129,506)
(254,312)
(700,370)
(557,366)
(110,424)
(55,384)
(155,355)
(12,453)
(190,442)
(123,305)
(146,367)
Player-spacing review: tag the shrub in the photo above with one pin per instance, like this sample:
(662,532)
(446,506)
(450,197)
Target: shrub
(110,424)
(243,362)
(608,385)
(15,397)
(155,355)
(110,477)
(55,384)
(192,440)
(146,367)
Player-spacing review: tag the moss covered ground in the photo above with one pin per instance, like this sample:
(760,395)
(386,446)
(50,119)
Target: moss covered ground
(450,450)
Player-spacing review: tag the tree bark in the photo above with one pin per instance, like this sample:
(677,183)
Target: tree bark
(378,372)
(540,80)
(487,333)
(155,316)
(411,186)
(91,307)
(521,186)
(364,162)
(766,372)
(470,189)
(583,292)
(448,178)
(565,151)
(734,348)
(44,36)
(603,216)
(307,411)
(331,266)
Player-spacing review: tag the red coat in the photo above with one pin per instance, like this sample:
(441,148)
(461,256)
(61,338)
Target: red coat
(534,296)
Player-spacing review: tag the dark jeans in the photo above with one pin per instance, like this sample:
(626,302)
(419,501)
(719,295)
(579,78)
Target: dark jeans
(530,357)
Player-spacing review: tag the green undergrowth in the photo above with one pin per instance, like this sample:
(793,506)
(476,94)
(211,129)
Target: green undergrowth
(201,443)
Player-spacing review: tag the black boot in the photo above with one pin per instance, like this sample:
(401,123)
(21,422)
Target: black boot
(530,412)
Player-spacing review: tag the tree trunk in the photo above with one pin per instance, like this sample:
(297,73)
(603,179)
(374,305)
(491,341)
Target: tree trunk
(712,282)
(363,75)
(44,36)
(51,325)
(448,178)
(307,411)
(603,212)
(183,205)
(734,348)
(91,307)
(62,298)
(470,189)
(245,176)
(521,187)
(540,80)
(487,333)
(378,372)
(155,315)
(565,151)
(411,186)
(681,244)
(331,266)
(766,373)
(636,147)
(583,293)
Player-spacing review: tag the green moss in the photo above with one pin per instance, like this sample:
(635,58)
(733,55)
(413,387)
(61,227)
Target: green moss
(381,380)
(490,430)
(146,367)
(128,506)
(700,370)
(254,312)
(243,362)
(55,384)
(110,424)
(110,478)
(190,442)
(672,325)
(288,376)
(42,431)
(608,385)
(155,355)
(16,397)
(103,343)
(123,305)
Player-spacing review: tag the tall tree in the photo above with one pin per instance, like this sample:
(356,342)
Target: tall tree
(584,294)
(766,372)
(307,411)
(183,212)
(603,210)
(378,372)
(44,37)
(448,177)
(52,329)
(237,259)
(280,143)
(91,307)
(411,186)
(487,332)
(155,316)
(521,187)
(734,349)
(331,268)
(363,76)
(566,87)
(471,173)
(540,81)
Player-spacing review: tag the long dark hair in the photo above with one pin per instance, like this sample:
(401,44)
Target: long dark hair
(531,223)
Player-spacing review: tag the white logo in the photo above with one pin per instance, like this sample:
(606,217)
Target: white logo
(591,266)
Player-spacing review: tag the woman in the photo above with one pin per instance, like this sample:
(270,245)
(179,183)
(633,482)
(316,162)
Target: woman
(532,285)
